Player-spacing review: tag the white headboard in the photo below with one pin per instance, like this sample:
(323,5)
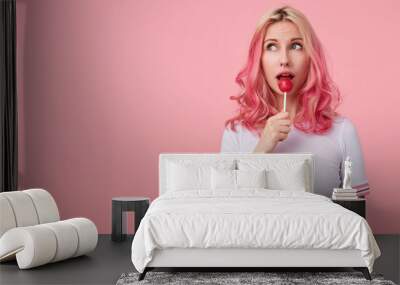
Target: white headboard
(164,158)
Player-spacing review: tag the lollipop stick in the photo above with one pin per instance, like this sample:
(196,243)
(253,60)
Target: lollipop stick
(284,101)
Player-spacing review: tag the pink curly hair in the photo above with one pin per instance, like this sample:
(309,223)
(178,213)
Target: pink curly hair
(318,98)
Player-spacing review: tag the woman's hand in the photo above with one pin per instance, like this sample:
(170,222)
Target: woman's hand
(276,129)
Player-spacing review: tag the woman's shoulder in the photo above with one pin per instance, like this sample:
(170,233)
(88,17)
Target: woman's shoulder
(341,123)
(343,128)
(238,130)
(340,120)
(239,139)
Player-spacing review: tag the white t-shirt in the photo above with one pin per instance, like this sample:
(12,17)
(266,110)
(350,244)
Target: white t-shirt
(330,150)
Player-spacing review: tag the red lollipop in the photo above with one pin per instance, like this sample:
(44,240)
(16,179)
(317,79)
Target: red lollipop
(285,84)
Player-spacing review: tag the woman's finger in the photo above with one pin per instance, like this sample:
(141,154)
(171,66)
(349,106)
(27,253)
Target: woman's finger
(284,122)
(284,129)
(282,136)
(281,115)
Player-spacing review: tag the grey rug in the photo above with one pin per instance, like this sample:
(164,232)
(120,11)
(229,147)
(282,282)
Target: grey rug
(274,278)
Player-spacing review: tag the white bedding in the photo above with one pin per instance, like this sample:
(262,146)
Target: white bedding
(250,218)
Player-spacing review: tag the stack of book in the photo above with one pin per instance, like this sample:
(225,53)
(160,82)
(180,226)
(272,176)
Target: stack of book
(349,194)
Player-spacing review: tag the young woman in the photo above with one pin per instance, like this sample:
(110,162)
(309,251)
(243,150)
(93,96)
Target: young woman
(285,46)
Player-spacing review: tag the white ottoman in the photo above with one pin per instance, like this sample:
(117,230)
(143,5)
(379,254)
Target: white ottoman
(31,232)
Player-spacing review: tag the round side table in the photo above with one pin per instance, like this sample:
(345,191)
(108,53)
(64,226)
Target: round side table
(121,205)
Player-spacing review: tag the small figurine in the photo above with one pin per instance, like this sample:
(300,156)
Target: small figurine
(347,174)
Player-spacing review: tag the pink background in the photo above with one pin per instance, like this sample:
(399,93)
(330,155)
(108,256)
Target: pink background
(105,86)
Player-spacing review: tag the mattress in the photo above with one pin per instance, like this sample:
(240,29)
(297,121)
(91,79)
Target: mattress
(250,219)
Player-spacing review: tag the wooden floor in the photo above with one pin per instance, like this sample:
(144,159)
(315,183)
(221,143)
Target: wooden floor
(111,259)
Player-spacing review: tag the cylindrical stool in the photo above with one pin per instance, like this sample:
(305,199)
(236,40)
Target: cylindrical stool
(120,205)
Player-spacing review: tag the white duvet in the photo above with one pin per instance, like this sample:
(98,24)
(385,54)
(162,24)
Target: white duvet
(250,218)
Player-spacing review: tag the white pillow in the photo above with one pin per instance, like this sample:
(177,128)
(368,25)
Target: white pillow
(281,174)
(223,179)
(237,179)
(186,175)
(293,178)
(251,178)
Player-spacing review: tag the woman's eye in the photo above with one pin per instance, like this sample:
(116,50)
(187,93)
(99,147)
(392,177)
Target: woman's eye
(271,47)
(297,46)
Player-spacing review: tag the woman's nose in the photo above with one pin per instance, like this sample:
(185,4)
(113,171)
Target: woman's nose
(284,59)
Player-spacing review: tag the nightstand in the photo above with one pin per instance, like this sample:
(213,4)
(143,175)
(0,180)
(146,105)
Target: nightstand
(121,205)
(357,206)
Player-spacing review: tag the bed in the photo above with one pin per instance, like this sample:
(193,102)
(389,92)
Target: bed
(247,210)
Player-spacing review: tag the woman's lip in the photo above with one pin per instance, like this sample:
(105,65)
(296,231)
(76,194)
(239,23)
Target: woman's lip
(286,74)
(291,76)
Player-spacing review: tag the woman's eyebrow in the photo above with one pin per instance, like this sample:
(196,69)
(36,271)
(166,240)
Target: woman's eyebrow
(275,40)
